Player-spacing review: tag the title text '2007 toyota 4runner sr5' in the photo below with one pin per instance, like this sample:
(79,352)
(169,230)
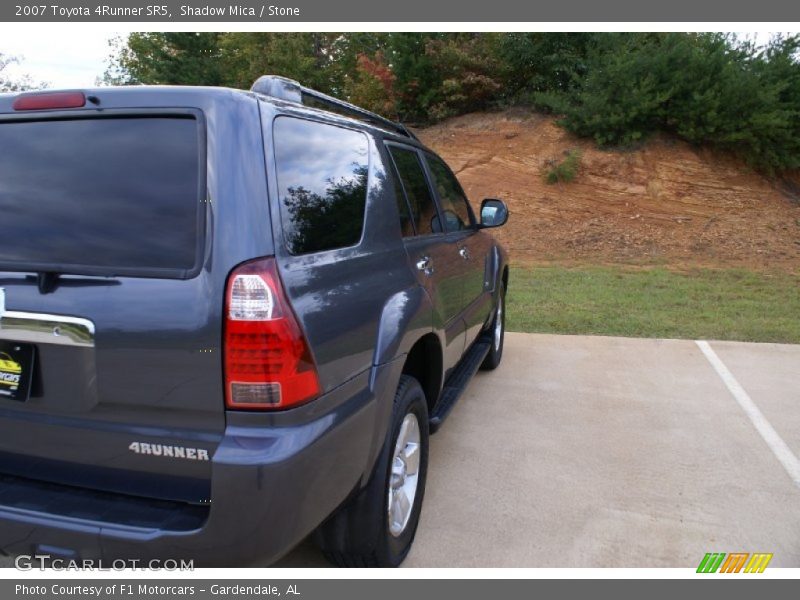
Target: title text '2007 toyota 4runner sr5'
(229,319)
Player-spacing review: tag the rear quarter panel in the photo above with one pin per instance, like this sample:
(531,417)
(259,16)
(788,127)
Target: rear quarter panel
(340,296)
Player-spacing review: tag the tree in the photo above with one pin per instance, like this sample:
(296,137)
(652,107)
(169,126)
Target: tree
(345,51)
(305,57)
(311,213)
(166,58)
(616,88)
(543,62)
(15,84)
(372,85)
(471,74)
(417,79)
(705,88)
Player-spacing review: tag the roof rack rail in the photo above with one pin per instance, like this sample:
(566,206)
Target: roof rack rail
(292,91)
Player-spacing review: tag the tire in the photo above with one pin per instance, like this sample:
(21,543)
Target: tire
(359,534)
(497,338)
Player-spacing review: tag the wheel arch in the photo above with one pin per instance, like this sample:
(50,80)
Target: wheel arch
(425,363)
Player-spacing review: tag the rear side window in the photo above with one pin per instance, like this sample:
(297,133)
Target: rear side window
(406,223)
(423,208)
(455,208)
(322,183)
(100,195)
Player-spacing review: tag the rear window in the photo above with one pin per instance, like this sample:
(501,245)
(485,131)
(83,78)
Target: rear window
(322,182)
(101,195)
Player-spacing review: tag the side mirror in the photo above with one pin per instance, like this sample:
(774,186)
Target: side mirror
(494,213)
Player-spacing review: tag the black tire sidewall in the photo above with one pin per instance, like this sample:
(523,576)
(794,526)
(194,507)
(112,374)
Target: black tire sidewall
(495,355)
(358,533)
(410,399)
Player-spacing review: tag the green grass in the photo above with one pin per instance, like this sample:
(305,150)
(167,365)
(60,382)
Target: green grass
(566,170)
(729,304)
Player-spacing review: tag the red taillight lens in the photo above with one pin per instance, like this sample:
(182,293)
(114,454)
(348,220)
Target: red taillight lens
(49,100)
(268,364)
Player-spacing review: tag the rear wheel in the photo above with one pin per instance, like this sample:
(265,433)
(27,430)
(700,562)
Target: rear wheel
(376,528)
(497,333)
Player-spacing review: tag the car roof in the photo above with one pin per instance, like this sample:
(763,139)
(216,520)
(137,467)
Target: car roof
(299,110)
(176,96)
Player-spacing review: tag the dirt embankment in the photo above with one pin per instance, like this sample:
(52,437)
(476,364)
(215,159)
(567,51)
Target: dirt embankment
(666,203)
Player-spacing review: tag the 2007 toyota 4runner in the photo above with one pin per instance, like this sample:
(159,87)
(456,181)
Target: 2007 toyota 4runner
(229,319)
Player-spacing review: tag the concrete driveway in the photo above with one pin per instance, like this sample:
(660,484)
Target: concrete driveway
(613,452)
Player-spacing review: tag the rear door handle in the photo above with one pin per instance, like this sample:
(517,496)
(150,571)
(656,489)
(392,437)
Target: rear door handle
(464,252)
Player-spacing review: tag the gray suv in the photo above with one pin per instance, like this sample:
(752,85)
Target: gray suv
(229,320)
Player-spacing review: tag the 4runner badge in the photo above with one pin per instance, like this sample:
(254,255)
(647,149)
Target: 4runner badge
(169,451)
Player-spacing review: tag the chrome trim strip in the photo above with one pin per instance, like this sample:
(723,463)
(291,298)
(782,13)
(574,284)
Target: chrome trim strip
(41,328)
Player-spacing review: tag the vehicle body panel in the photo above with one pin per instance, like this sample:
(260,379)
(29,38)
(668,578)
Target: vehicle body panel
(153,374)
(153,371)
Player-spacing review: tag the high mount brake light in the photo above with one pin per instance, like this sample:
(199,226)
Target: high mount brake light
(268,363)
(49,100)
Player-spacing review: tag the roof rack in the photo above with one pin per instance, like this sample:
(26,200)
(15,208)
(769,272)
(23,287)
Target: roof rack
(291,91)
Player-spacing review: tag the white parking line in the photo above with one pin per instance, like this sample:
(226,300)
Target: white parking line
(757,418)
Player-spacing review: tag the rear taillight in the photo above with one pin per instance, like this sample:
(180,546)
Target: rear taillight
(49,100)
(268,364)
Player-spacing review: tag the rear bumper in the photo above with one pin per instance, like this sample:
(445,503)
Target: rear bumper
(274,479)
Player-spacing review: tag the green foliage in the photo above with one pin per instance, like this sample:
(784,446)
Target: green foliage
(469,73)
(564,171)
(543,62)
(705,88)
(616,88)
(169,58)
(418,81)
(301,56)
(310,213)
(372,85)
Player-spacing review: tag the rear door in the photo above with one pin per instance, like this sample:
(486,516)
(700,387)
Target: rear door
(474,247)
(106,311)
(433,255)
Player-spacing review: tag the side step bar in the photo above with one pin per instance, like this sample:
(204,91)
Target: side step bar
(457,382)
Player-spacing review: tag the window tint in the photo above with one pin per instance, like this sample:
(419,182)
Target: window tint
(423,208)
(406,223)
(83,195)
(322,182)
(455,206)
